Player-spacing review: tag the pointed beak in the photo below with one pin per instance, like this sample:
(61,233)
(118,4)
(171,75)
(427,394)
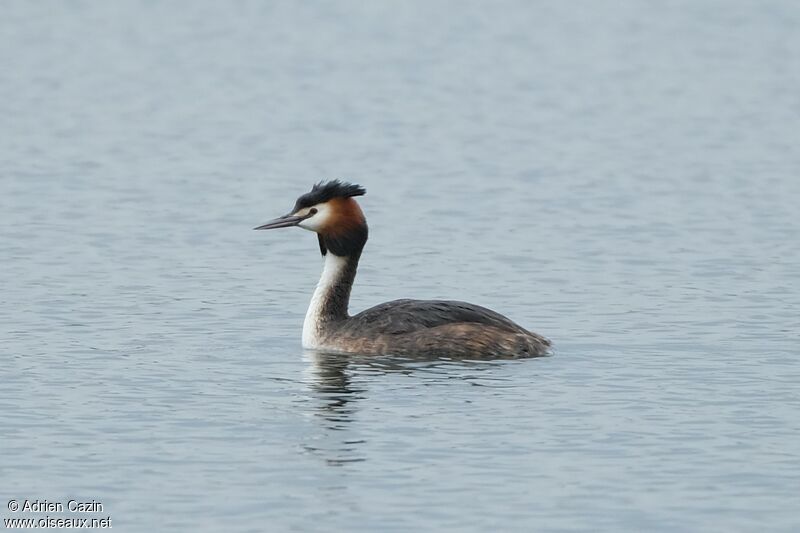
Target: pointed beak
(285,221)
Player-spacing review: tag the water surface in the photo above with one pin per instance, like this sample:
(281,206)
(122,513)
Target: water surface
(620,178)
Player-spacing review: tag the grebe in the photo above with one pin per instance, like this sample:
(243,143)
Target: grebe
(401,327)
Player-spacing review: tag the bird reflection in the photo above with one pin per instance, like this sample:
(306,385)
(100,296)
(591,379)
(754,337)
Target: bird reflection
(338,384)
(331,385)
(334,396)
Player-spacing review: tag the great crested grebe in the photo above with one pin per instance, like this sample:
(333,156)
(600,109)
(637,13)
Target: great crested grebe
(400,327)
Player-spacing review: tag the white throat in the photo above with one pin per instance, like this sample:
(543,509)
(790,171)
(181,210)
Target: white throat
(313,324)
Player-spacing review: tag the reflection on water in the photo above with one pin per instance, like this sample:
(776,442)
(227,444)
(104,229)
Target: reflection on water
(334,408)
(339,382)
(332,386)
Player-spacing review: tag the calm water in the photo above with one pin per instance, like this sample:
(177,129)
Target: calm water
(622,178)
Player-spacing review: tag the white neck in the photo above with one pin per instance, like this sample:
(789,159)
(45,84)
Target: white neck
(313,324)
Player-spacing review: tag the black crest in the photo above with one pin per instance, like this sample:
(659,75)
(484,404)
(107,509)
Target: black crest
(322,192)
